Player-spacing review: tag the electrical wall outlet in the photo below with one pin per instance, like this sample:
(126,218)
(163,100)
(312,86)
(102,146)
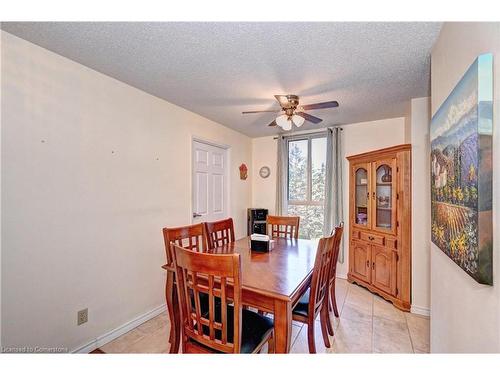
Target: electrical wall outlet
(82,316)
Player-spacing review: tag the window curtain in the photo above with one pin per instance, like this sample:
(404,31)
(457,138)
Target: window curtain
(334,194)
(282,177)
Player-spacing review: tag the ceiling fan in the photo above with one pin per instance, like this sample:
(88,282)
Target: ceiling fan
(293,113)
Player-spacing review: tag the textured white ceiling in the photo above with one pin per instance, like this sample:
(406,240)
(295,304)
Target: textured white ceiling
(219,70)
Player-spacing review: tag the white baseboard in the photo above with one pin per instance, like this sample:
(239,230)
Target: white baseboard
(420,310)
(117,332)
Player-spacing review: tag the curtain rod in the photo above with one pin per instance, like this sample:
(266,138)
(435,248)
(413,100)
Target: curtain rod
(314,131)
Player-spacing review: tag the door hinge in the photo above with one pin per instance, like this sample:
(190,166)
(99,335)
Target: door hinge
(397,195)
(397,223)
(397,291)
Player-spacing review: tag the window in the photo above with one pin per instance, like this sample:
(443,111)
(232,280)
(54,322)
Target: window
(306,183)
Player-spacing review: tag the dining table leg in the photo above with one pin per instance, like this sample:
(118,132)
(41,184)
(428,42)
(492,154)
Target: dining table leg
(282,326)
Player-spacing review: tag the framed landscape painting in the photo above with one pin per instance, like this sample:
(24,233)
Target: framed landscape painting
(461,172)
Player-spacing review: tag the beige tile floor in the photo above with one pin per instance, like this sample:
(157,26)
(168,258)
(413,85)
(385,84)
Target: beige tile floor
(367,324)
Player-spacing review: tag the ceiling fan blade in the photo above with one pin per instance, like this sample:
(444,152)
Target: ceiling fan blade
(273,123)
(271,110)
(310,118)
(331,104)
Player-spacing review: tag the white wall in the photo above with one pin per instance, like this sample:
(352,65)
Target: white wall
(465,316)
(92,169)
(264,153)
(357,138)
(421,206)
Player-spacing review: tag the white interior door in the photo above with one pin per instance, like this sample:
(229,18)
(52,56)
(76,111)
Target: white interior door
(210,192)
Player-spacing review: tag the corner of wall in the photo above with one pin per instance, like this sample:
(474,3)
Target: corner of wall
(419,135)
(408,121)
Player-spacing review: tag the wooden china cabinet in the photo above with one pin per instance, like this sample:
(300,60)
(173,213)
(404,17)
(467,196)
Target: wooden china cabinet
(380,223)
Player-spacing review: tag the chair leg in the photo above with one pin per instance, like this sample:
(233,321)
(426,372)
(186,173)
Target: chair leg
(329,308)
(334,299)
(324,328)
(174,348)
(310,337)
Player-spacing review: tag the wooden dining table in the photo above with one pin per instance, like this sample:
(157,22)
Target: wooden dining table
(272,281)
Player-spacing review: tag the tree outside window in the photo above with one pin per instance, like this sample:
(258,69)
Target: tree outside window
(306,184)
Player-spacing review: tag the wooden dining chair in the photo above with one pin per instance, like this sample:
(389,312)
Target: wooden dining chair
(332,301)
(283,226)
(192,237)
(226,327)
(315,300)
(220,232)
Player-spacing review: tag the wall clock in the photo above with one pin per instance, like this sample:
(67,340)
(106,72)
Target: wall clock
(264,172)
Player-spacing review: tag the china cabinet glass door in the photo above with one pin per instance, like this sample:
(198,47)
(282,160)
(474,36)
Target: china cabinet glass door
(362,195)
(384,195)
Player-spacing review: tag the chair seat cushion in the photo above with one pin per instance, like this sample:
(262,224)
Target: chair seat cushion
(302,307)
(254,328)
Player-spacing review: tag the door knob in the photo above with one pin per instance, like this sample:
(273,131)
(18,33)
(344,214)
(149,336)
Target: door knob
(196,214)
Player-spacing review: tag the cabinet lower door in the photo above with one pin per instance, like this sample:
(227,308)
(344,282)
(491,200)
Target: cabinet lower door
(383,272)
(360,267)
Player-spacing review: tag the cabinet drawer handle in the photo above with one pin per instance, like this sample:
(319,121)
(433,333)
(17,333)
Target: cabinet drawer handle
(373,265)
(371,238)
(368,264)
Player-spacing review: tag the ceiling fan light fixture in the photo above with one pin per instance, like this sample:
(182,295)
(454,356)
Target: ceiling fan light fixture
(288,125)
(298,120)
(283,121)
